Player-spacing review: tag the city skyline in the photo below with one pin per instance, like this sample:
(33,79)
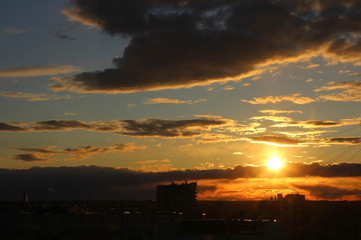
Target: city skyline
(119,96)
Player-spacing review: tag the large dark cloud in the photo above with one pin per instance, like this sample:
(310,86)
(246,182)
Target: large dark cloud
(93,182)
(194,42)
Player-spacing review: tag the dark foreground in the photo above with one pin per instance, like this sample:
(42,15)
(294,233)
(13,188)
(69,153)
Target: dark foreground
(105,220)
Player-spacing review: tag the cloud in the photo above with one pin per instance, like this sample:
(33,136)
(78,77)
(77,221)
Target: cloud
(8,127)
(312,66)
(175,44)
(328,192)
(272,118)
(341,85)
(311,124)
(169,100)
(29,157)
(344,140)
(171,128)
(304,133)
(295,98)
(39,71)
(136,128)
(84,152)
(274,111)
(281,141)
(106,183)
(70,114)
(77,153)
(33,96)
(153,161)
(12,31)
(352,92)
(60,125)
(63,36)
(350,95)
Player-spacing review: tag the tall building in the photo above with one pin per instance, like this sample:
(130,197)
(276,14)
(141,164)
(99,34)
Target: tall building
(177,198)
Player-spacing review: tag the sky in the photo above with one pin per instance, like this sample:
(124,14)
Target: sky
(106,99)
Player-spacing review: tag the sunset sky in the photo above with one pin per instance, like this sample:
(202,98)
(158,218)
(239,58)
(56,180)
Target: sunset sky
(104,99)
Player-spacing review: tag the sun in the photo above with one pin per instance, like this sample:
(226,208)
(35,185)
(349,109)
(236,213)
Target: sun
(275,163)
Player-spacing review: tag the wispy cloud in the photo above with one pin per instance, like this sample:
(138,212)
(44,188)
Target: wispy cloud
(295,98)
(341,85)
(273,118)
(310,66)
(311,124)
(14,31)
(280,141)
(70,114)
(175,101)
(32,97)
(37,154)
(29,157)
(34,71)
(352,91)
(274,111)
(320,123)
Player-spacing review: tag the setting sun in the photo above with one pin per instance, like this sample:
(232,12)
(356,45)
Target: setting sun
(275,163)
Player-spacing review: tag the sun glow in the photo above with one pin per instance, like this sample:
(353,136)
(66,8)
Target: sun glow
(275,163)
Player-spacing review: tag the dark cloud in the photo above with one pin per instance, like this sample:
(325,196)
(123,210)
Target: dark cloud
(169,128)
(7,127)
(311,124)
(317,170)
(195,42)
(328,192)
(29,157)
(63,37)
(78,152)
(93,182)
(145,128)
(54,125)
(345,140)
(44,150)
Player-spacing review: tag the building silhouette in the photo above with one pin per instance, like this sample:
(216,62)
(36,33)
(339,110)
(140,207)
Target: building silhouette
(177,198)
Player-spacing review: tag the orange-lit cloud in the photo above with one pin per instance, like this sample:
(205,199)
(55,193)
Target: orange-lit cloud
(281,141)
(176,101)
(273,118)
(350,95)
(274,111)
(294,98)
(31,97)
